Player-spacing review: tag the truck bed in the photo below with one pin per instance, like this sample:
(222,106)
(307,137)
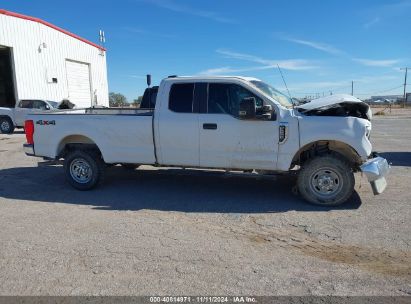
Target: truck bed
(122,135)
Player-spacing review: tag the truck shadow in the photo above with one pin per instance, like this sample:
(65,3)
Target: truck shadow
(165,190)
(398,158)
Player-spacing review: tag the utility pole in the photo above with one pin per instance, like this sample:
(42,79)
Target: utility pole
(405,84)
(352,88)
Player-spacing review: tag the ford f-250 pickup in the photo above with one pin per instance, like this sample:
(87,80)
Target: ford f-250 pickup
(231,123)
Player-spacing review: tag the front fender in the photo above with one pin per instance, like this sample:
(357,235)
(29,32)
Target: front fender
(350,131)
(9,113)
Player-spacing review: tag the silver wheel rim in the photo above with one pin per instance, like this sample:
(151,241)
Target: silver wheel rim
(326,182)
(5,126)
(80,171)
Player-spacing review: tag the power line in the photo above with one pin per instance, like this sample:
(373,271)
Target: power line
(343,89)
(379,92)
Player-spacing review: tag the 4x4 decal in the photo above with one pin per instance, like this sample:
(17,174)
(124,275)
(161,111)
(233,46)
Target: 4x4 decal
(46,122)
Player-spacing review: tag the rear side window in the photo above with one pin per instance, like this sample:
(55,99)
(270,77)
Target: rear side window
(181,97)
(27,104)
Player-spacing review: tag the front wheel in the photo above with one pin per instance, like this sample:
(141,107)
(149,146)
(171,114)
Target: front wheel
(326,180)
(84,170)
(6,125)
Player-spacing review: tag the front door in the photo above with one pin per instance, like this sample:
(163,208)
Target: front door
(229,142)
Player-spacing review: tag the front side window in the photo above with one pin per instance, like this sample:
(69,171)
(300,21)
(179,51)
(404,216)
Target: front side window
(54,104)
(226,98)
(39,104)
(181,97)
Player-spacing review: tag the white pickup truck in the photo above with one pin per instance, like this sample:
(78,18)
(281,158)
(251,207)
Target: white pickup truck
(10,118)
(231,123)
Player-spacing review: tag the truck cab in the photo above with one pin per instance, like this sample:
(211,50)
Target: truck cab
(200,123)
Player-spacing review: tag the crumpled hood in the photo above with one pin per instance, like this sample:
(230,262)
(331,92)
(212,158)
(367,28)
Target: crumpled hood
(328,101)
(336,105)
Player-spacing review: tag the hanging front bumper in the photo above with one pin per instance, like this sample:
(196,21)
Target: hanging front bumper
(376,170)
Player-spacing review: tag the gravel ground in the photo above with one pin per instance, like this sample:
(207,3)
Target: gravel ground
(150,231)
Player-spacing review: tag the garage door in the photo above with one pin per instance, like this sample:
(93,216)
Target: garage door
(78,81)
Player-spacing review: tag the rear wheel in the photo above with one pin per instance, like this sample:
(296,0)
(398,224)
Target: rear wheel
(6,125)
(84,170)
(326,180)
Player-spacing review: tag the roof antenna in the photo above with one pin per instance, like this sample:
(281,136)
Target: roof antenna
(284,81)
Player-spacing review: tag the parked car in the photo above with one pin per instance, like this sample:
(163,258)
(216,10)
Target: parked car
(231,123)
(10,118)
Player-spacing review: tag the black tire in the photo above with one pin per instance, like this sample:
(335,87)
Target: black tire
(84,169)
(6,125)
(326,180)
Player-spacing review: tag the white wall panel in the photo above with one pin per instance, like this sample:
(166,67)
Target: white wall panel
(40,51)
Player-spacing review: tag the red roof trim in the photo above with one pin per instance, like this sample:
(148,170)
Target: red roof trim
(8,13)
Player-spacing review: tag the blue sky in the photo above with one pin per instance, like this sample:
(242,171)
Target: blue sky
(321,45)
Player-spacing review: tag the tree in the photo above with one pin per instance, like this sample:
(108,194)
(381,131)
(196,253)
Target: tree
(117,100)
(137,102)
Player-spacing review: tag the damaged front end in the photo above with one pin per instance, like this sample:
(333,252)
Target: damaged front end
(374,167)
(336,105)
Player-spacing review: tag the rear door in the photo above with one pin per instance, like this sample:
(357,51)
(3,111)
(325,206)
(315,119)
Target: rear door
(178,137)
(229,142)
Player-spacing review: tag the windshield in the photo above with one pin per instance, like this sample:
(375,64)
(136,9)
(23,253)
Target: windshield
(53,104)
(273,93)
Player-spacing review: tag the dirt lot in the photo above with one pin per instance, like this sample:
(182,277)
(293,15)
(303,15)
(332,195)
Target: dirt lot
(150,231)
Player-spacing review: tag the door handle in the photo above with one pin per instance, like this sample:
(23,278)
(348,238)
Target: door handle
(210,126)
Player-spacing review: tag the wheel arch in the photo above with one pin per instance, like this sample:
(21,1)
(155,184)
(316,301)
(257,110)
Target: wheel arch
(72,142)
(321,147)
(7,116)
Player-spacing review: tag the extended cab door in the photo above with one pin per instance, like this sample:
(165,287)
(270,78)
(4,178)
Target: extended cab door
(177,137)
(226,141)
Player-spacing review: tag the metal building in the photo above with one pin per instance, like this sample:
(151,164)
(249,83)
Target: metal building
(39,60)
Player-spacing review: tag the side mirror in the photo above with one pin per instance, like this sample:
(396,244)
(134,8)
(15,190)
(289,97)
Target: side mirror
(148,80)
(267,108)
(267,113)
(47,107)
(247,108)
